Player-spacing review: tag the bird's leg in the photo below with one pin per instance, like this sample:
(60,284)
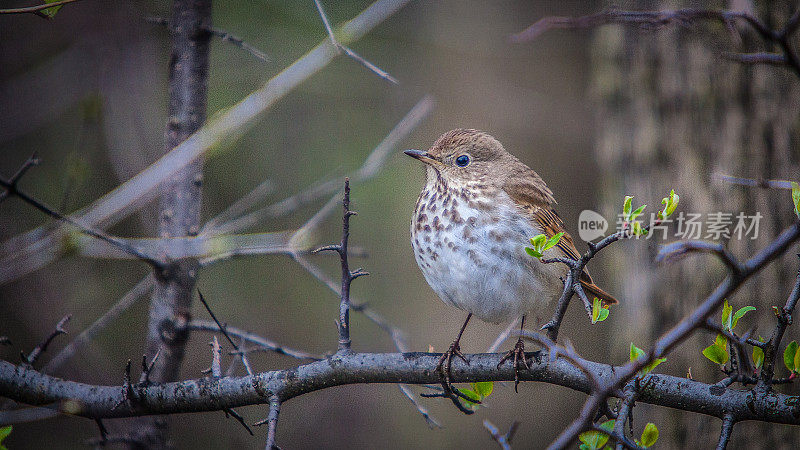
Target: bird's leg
(445,361)
(518,355)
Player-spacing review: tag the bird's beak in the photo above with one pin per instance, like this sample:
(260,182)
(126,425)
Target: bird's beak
(422,156)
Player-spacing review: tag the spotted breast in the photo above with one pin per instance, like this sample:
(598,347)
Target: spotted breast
(469,244)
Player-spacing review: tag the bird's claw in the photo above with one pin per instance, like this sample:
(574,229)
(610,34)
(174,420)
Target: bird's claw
(518,355)
(445,362)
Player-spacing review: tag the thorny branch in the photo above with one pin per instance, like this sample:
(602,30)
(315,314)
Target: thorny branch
(347,275)
(33,356)
(680,332)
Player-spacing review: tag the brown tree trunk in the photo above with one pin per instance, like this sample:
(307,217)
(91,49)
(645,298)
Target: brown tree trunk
(179,213)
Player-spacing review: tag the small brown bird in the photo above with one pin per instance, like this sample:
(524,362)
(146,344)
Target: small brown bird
(473,219)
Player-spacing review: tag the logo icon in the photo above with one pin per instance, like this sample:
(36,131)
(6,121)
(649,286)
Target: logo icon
(591,225)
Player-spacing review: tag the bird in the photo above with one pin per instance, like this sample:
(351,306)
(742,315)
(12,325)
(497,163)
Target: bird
(478,209)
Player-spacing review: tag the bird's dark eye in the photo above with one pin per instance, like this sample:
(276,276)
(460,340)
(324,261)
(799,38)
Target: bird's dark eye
(462,161)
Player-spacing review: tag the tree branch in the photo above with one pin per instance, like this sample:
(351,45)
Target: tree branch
(206,394)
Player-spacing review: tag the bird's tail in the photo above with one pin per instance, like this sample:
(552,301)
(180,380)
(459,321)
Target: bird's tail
(593,290)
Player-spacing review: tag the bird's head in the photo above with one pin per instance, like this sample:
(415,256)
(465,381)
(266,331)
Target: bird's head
(463,155)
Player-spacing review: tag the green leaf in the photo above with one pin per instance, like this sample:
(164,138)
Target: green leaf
(594,440)
(649,435)
(741,312)
(636,352)
(4,432)
(596,307)
(718,351)
(796,198)
(670,203)
(533,252)
(472,395)
(626,207)
(599,312)
(726,316)
(553,241)
(483,388)
(758,355)
(649,368)
(636,213)
(797,361)
(538,241)
(789,357)
(51,12)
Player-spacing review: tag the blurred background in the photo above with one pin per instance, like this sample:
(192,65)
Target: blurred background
(598,114)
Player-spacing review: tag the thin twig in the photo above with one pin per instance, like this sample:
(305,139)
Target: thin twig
(754,182)
(347,275)
(272,422)
(141,288)
(34,355)
(783,319)
(625,413)
(725,434)
(12,190)
(222,34)
(502,439)
(262,344)
(144,377)
(349,52)
(32,160)
(37,9)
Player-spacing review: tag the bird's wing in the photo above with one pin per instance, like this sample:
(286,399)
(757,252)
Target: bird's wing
(536,206)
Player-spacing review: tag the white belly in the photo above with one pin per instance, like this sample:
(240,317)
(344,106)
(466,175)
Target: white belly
(481,267)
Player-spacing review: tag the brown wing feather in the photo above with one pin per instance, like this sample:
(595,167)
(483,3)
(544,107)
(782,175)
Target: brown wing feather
(536,204)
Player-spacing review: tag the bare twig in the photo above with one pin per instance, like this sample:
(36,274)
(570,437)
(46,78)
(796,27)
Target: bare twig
(141,288)
(725,434)
(34,355)
(12,190)
(347,275)
(222,34)
(216,354)
(261,343)
(144,378)
(773,59)
(272,422)
(772,350)
(32,160)
(502,439)
(625,413)
(754,182)
(348,51)
(675,250)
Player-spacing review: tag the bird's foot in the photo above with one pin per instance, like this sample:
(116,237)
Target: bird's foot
(519,359)
(443,368)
